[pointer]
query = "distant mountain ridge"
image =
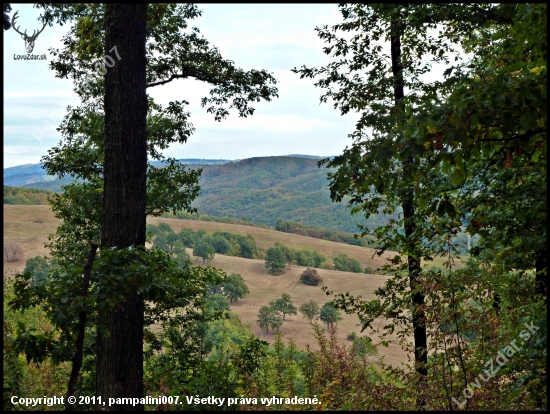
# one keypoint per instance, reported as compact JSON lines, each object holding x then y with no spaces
{"x":260,"y":189}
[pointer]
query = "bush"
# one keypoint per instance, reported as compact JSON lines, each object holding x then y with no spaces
{"x":369,"y":270}
{"x":311,"y":277}
{"x":363,"y":346}
{"x":352,"y":336}
{"x":12,"y":252}
{"x":347,"y":264}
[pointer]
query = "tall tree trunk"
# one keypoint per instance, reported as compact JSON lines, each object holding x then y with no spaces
{"x":120,"y":354}
{"x":419,"y":327}
{"x":541,"y":269}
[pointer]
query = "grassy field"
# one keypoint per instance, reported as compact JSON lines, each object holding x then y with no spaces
{"x":29,"y":226}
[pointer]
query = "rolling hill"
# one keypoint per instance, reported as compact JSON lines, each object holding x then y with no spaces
{"x":262,"y":189}
{"x":29,"y":226}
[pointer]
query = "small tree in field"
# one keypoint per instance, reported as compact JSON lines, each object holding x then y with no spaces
{"x":310,"y":277}
{"x":234,"y":287}
{"x":275,"y":259}
{"x":284,"y":305}
{"x":329,"y":314}
{"x":310,"y":310}
{"x":205,"y":251}
{"x":12,"y":252}
{"x":268,"y":318}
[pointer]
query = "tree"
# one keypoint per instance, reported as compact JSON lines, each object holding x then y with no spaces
{"x":161,"y":242}
{"x":275,"y":259}
{"x":363,"y":346}
{"x":217,"y":302}
{"x":108,"y":139}
{"x":39,"y":267}
{"x":345,"y":263}
{"x":12,"y":251}
{"x":311,"y":277}
{"x":451,"y":152}
{"x":205,"y":251}
{"x":221,"y":244}
{"x":248,"y":247}
{"x":165,"y":228}
{"x":310,"y":310}
{"x":182,"y":257}
{"x":7,"y":9}
{"x":329,"y":314}
{"x":284,"y":305}
{"x":268,"y":318}
{"x":188,"y":237}
{"x":287,"y":251}
{"x":234,"y":288}
{"x":120,"y":351}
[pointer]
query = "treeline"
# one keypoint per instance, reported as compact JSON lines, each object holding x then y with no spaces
{"x":184,"y":215}
{"x":319,"y":233}
{"x":204,"y":244}
{"x":278,"y":257}
{"x":26,"y":196}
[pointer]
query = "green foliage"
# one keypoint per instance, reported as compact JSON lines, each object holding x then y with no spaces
{"x":221,"y":244}
{"x":21,"y":377}
{"x":269,"y":318}
{"x":311,"y":277}
{"x":347,"y":264}
{"x":275,"y":259}
{"x":284,"y":306}
{"x":204,"y":251}
{"x":188,"y":237}
{"x":275,"y":188}
{"x":329,"y":314}
{"x":205,"y":217}
{"x":309,"y":310}
{"x":234,"y":287}
{"x":318,"y":233}
{"x":362,"y":346}
{"x":26,"y":196}
{"x":39,"y":267}
{"x":217,"y":302}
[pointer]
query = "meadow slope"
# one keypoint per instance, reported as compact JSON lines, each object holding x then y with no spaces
{"x":29,"y":226}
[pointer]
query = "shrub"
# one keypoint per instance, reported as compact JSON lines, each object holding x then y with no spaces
{"x":12,"y":252}
{"x":352,"y":336}
{"x":311,"y":277}
{"x":369,"y":270}
{"x":346,"y":264}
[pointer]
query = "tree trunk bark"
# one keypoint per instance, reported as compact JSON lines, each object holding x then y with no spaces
{"x":120,"y":354}
{"x":541,"y":269}
{"x":419,"y":327}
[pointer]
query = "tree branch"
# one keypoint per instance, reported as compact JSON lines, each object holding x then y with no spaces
{"x":187,"y":72}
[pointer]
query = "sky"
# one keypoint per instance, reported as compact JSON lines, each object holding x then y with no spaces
{"x":274,"y":37}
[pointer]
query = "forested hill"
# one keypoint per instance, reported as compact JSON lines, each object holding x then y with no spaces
{"x":270,"y":188}
{"x":263,"y":190}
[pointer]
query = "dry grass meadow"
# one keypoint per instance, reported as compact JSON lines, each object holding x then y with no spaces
{"x":29,"y":226}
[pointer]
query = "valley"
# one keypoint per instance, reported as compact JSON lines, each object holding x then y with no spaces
{"x":29,"y":226}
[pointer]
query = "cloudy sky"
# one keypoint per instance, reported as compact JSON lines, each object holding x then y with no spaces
{"x":271,"y":37}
